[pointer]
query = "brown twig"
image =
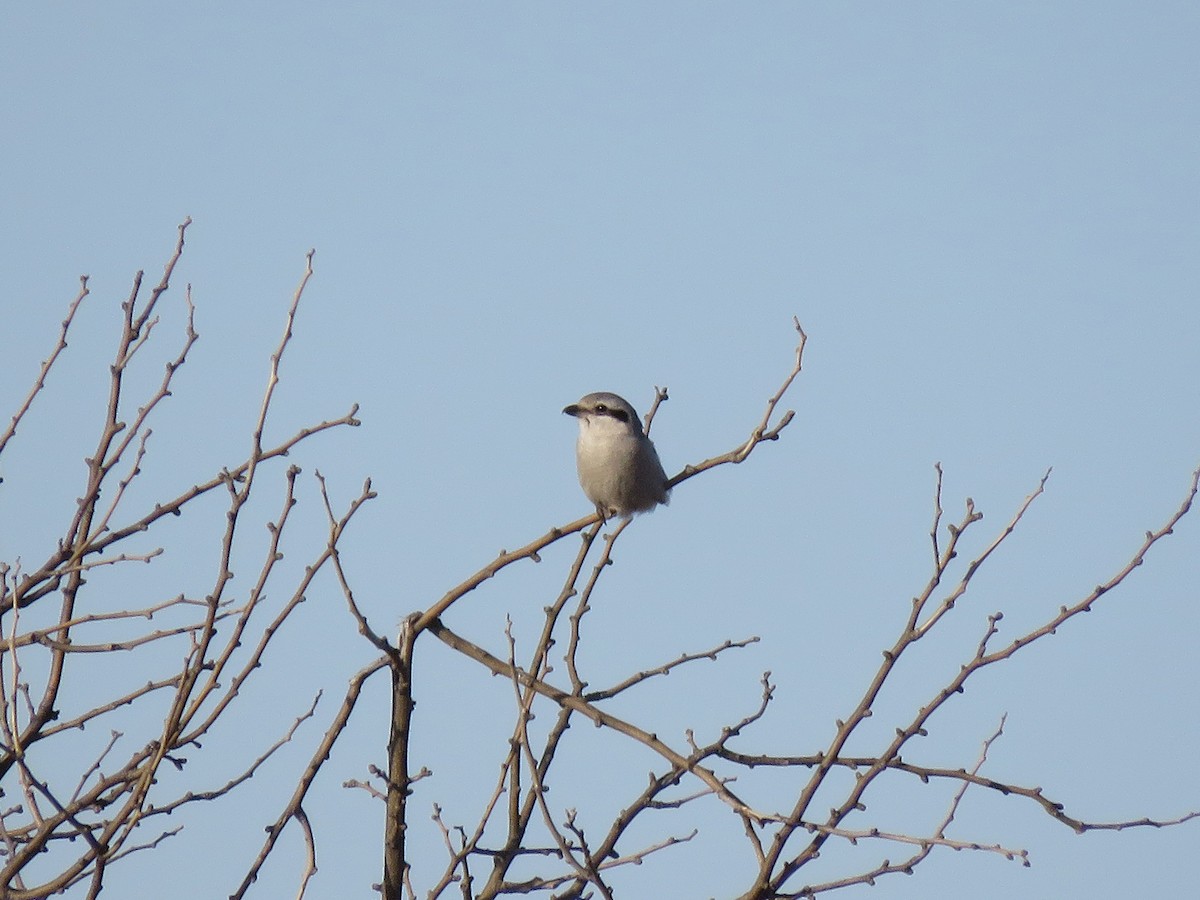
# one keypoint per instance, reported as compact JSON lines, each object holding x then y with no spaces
{"x":39,"y":383}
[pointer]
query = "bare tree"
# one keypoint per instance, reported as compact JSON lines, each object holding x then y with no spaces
{"x":66,"y":823}
{"x":65,"y":826}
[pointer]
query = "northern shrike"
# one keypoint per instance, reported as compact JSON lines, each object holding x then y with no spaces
{"x":619,"y":469}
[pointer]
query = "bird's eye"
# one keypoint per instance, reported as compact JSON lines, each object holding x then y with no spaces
{"x":601,"y":408}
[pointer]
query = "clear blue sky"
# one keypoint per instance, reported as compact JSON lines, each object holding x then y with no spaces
{"x":985,"y":215}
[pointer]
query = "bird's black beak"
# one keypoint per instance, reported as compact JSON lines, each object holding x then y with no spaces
{"x":572,"y":410}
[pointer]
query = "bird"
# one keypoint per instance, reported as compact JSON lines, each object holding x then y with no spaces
{"x":619,"y":469}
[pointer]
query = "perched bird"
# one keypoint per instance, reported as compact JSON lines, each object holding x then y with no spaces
{"x":619,"y":469}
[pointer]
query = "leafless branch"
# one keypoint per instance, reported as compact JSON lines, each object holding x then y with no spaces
{"x":666,"y":668}
{"x":293,"y":807}
{"x":39,"y":383}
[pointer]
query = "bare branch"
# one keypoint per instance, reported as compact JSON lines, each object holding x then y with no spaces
{"x":764,"y":431}
{"x":666,"y":669}
{"x":39,"y":383}
{"x":292,"y":809}
{"x":599,"y":717}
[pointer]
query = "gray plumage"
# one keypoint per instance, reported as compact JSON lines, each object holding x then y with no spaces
{"x":619,"y":469}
